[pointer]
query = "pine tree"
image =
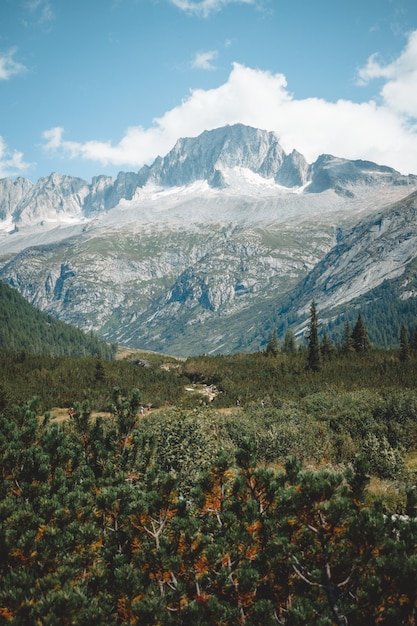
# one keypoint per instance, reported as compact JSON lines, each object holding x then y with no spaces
{"x":347,"y":346}
{"x":100,"y":373}
{"x":404,"y":345}
{"x":360,"y":337}
{"x":327,"y":348}
{"x":313,"y":356}
{"x":413,"y":342}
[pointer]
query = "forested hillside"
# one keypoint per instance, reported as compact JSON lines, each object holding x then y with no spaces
{"x":25,"y":328}
{"x":384,"y":308}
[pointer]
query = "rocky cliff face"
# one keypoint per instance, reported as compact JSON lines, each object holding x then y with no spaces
{"x":12,"y":192}
{"x":378,"y":248}
{"x":54,"y":197}
{"x":213,"y":151}
{"x":187,"y":255}
{"x":329,"y":172}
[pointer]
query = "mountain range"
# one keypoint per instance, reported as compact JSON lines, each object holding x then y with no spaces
{"x":211,"y":246}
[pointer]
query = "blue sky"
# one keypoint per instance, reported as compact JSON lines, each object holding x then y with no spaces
{"x":92,"y":87}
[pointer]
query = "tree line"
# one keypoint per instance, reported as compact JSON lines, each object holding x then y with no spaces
{"x":354,"y":339}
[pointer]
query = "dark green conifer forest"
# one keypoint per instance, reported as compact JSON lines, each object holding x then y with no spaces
{"x":23,"y":328}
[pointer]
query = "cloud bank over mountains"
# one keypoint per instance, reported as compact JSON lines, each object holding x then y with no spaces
{"x":383,"y":130}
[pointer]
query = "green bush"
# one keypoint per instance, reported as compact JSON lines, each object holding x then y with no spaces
{"x":384,"y":460}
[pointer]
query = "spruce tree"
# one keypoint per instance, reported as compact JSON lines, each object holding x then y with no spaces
{"x":347,"y":346}
{"x":413,"y":342}
{"x":100,"y":373}
{"x":327,"y":348}
{"x":313,"y":355}
{"x":404,"y":345}
{"x":360,"y":337}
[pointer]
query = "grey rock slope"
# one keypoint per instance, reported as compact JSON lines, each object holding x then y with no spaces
{"x":188,"y":254}
{"x":381,"y":247}
{"x":12,"y":192}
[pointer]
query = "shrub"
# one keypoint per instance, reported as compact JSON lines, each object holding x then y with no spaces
{"x":384,"y":460}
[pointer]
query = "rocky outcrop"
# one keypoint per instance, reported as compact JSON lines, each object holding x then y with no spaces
{"x":12,"y":192}
{"x":378,"y":248}
{"x":54,"y":197}
{"x":329,"y":172}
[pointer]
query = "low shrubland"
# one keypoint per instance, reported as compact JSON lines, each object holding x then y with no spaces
{"x":283,"y":496}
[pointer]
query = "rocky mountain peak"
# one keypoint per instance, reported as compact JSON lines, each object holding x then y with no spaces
{"x":330,"y":172}
{"x":199,"y":158}
{"x":50,"y":197}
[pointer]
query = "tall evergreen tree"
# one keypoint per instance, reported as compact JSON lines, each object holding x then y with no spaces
{"x":413,"y":342}
{"x":313,"y":355}
{"x":327,"y":348}
{"x":360,"y":337}
{"x":100,"y":373}
{"x":404,"y":345}
{"x":347,"y":346}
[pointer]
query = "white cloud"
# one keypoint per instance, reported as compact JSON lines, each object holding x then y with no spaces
{"x":137,"y":147}
{"x":205,"y":7}
{"x":385,"y":133}
{"x":8,"y":66}
{"x":399,"y":92}
{"x":40,"y":11}
{"x":204,"y":60}
{"x":11,"y":163}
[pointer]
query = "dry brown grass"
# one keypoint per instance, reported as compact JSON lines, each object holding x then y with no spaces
{"x":60,"y":415}
{"x":411,"y":461}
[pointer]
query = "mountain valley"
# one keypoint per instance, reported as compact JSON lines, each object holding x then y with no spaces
{"x":200,"y":252}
